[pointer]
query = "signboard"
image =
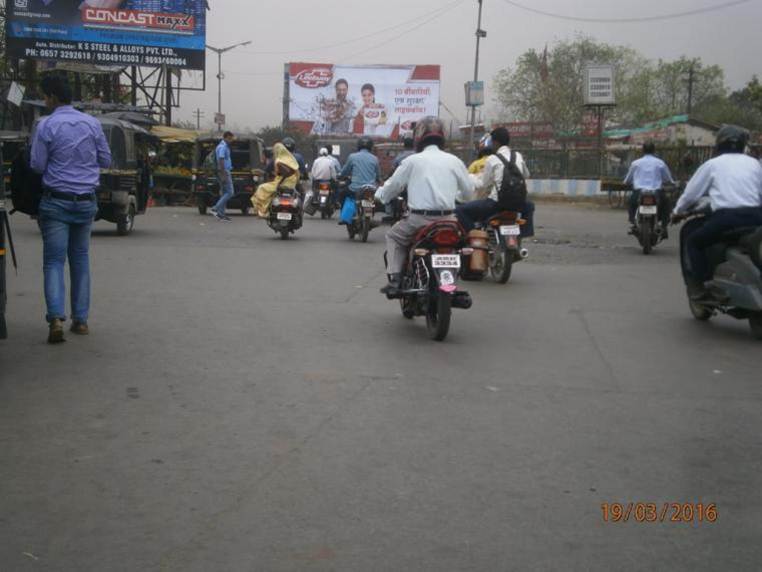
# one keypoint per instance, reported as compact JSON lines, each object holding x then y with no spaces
{"x":599,"y":85}
{"x":15,"y":94}
{"x":375,"y":101}
{"x":537,"y":130}
{"x":219,"y":119}
{"x":474,"y":93}
{"x":109,"y":32}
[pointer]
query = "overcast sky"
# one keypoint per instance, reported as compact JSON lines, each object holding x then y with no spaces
{"x":253,"y":86}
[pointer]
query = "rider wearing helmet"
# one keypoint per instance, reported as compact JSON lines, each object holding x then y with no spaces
{"x":434,"y":180}
{"x":733,"y":182}
{"x":323,"y":169}
{"x":362,"y":167}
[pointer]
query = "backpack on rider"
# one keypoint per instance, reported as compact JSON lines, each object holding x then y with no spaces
{"x":512,"y":194}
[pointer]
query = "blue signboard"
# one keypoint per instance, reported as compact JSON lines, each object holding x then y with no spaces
{"x":109,"y":32}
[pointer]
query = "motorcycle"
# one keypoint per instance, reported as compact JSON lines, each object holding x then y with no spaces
{"x":648,"y":229}
{"x":365,"y":208}
{"x":285,"y":215}
{"x":502,"y":244}
{"x":321,"y":199}
{"x":429,"y":281}
{"x":736,"y":285}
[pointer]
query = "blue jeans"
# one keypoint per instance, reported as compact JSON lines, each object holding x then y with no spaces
{"x":65,"y":227}
{"x":226,"y":187}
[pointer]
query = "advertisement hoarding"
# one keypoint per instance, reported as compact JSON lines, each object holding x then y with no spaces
{"x":376,"y":101}
{"x":109,"y":32}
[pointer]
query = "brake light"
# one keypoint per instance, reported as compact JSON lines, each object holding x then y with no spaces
{"x":648,"y":200}
{"x":248,"y":189}
{"x":323,"y":186}
{"x":286,"y":202}
{"x":446,"y":237}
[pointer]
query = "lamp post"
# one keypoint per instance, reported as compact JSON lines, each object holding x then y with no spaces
{"x":220,"y":75}
{"x":479,"y":35}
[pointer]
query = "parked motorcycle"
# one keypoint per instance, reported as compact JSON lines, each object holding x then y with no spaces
{"x":648,"y":229}
{"x":500,"y":238}
{"x":429,"y":281}
{"x":285,"y":216}
{"x":736,"y":285}
{"x":365,"y":208}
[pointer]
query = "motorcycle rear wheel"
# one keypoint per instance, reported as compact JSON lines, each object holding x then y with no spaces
{"x":755,"y":323}
{"x":365,"y":230}
{"x":699,"y":311}
{"x":646,"y":235}
{"x":284,"y":234}
{"x":438,"y":317}
{"x":501,"y":266}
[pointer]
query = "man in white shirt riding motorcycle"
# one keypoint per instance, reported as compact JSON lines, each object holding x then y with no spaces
{"x":733,"y":182}
{"x":434,"y":180}
{"x":648,"y":174}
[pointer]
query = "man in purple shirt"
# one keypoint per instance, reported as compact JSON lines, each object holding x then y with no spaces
{"x":69,"y":148}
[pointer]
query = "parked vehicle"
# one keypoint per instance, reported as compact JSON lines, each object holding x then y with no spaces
{"x":365,"y":208}
{"x":247,"y":154}
{"x":285,"y":215}
{"x":124,"y":187}
{"x":494,"y":247}
{"x":429,"y":281}
{"x":736,"y":285}
{"x":648,"y":230}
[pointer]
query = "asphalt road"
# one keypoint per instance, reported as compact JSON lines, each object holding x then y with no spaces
{"x":248,"y":404}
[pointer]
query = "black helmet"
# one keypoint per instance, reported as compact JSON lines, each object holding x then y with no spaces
{"x":365,"y":143}
{"x":429,"y":131}
{"x":732,"y":139}
{"x":289,"y":143}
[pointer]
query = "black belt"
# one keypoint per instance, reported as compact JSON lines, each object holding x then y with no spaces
{"x":73,"y":197}
{"x":431,"y":213}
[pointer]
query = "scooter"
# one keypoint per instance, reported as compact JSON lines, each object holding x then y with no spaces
{"x":285,"y":216}
{"x":736,"y":285}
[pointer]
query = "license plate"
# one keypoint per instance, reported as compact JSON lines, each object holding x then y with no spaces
{"x":648,"y":210}
{"x":445,"y":261}
{"x":285,"y":216}
{"x":512,"y":230}
{"x":367,"y":204}
{"x":324,"y":193}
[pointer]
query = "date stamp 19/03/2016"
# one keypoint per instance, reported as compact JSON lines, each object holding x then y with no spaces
{"x":671,"y":512}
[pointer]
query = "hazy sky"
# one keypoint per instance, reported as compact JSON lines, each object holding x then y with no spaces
{"x":253,"y":86}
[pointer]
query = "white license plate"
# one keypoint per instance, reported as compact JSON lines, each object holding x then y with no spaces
{"x":445,"y":261}
{"x":648,"y":210}
{"x":512,"y":230}
{"x":324,"y":193}
{"x":285,"y":216}
{"x":367,"y":204}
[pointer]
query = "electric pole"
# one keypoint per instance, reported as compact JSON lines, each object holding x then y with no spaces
{"x":479,"y":35}
{"x":199,"y":114}
{"x":221,"y":76}
{"x":691,"y":79}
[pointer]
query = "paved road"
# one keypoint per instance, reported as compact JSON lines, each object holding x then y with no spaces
{"x":250,"y":404}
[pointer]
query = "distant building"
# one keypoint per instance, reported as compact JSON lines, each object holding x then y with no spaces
{"x":671,"y":131}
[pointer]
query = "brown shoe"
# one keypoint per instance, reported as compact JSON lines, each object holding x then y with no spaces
{"x":79,"y":328}
{"x":56,"y":332}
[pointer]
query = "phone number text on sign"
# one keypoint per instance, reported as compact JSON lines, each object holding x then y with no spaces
{"x":665,"y":512}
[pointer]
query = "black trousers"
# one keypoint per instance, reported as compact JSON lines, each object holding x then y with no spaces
{"x":711,"y":233}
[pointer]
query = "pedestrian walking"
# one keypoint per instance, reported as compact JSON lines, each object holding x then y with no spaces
{"x":68,"y":148}
{"x":224,"y":176}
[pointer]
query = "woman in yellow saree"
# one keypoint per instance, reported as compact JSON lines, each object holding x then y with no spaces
{"x":286,"y":176}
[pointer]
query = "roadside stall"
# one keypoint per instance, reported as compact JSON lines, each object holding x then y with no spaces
{"x":173,"y":164}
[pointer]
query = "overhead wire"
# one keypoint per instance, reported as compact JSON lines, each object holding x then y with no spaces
{"x":633,"y":20}
{"x":436,"y":12}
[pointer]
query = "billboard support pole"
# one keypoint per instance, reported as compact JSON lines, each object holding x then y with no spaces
{"x":479,"y":35}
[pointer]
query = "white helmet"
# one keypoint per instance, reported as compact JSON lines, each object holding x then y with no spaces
{"x":323,"y":152}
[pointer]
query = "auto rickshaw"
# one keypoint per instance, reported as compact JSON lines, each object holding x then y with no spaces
{"x":247,"y":154}
{"x":125,"y":186}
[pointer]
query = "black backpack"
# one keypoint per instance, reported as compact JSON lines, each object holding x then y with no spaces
{"x":512,"y":194}
{"x":26,"y":185}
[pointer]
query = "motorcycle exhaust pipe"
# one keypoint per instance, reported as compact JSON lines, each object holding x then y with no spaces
{"x":524,"y":253}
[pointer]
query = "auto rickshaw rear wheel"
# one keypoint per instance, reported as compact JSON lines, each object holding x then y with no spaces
{"x":125,"y":224}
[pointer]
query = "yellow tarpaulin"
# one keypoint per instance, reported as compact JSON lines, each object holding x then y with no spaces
{"x":174,"y":134}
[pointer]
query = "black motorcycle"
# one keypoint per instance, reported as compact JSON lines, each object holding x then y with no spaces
{"x":365,"y":209}
{"x":736,"y":285}
{"x":285,"y":215}
{"x":429,"y":281}
{"x":321,"y":199}
{"x":648,"y":230}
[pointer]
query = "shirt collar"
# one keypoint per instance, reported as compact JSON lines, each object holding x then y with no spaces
{"x":431,"y":148}
{"x":63,"y":108}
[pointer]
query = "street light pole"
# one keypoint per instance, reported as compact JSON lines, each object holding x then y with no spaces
{"x":479,"y":35}
{"x":220,"y":75}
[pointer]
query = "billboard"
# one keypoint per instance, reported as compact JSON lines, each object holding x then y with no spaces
{"x":109,"y":32}
{"x":599,"y":85}
{"x":377,"y":101}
